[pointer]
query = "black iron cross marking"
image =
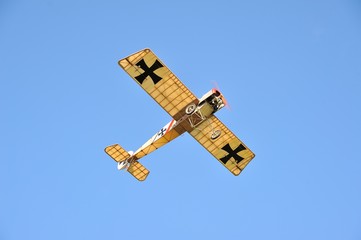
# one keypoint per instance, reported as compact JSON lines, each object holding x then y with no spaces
{"x":149,"y":71}
{"x":162,"y":132}
{"x":232,"y":153}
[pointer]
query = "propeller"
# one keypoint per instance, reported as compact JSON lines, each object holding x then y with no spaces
{"x":215,"y":84}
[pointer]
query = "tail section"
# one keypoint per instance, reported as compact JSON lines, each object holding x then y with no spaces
{"x":126,"y":160}
{"x":117,"y":153}
{"x":138,"y":171}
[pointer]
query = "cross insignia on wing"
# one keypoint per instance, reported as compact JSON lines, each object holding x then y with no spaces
{"x":227,"y":148}
{"x":159,"y":82}
{"x":232,"y":153}
{"x":148,"y":71}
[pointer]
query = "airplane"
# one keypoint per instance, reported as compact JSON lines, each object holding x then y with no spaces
{"x":189,"y":114}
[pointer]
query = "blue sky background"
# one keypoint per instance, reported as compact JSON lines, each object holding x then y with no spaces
{"x":291,"y":71}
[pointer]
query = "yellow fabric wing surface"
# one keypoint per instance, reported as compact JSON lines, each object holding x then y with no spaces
{"x":227,"y":148}
{"x":158,"y":81}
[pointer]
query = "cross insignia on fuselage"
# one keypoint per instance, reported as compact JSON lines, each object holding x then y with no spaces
{"x":149,"y":71}
{"x":232,"y":153}
{"x":162,"y":132}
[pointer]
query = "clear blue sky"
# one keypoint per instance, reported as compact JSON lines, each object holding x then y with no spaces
{"x":290,"y":69}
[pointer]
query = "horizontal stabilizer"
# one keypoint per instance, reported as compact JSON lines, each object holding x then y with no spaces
{"x":117,"y":153}
{"x":138,"y":171}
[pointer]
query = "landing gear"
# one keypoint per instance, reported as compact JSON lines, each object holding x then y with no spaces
{"x":197,"y":115}
{"x":190,"y":108}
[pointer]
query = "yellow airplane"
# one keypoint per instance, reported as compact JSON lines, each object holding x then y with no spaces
{"x":189,"y":114}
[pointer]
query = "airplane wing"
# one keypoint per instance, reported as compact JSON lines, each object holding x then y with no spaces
{"x":159,"y":82}
{"x":227,"y":148}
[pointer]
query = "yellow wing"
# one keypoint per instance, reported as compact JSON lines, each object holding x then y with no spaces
{"x":159,"y":82}
{"x":227,"y":148}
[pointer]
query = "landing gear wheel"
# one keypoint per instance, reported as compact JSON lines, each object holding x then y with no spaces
{"x":190,"y":108}
{"x":215,"y":134}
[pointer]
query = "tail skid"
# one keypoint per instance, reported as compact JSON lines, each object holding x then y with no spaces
{"x":125,"y":161}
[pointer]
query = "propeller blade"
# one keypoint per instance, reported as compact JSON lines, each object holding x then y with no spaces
{"x":226,"y":103}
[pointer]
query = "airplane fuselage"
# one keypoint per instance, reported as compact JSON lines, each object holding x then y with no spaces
{"x":194,"y":115}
